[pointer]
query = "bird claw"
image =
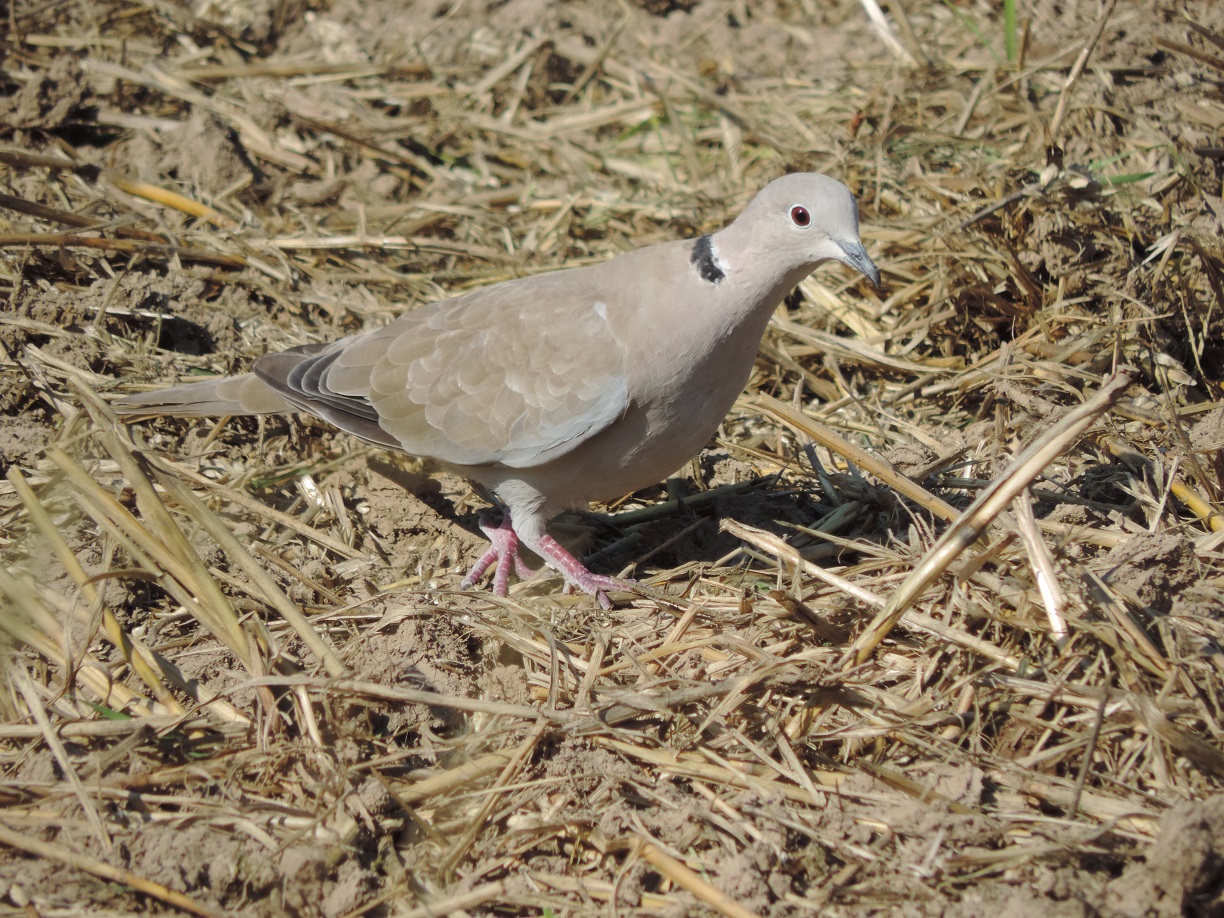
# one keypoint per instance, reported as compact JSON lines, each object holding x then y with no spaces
{"x":504,"y":552}
{"x":503,"y":555}
{"x":575,"y":573}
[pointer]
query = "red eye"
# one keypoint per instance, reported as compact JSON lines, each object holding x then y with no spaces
{"x":799,"y":215}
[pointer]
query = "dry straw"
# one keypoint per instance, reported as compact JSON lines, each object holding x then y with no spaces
{"x":937,"y":617}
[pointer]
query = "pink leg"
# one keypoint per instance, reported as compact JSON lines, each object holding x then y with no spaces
{"x":575,"y":572}
{"x":504,"y":551}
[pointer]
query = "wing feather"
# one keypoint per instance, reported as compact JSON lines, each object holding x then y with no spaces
{"x":517,"y":374}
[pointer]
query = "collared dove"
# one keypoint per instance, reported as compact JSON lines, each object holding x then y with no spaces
{"x":560,"y":389}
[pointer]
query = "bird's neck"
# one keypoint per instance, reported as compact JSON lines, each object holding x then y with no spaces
{"x":735,"y":262}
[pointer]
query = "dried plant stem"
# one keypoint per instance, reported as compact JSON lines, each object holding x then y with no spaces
{"x":1077,"y":68}
{"x":415,"y":696}
{"x":514,"y":762}
{"x":132,"y":186}
{"x":272,"y":593}
{"x":458,"y":903}
{"x":880,"y":23}
{"x":873,"y":465}
{"x":27,"y":621}
{"x":1043,"y":564}
{"x":693,"y":882}
{"x":62,"y":855}
{"x":1027,"y":466}
{"x":779,"y":549}
{"x":147,"y":665}
{"x":130,"y":246}
{"x":165,"y":552}
{"x":246,"y":502}
{"x":1198,"y":505}
{"x":34,"y":705}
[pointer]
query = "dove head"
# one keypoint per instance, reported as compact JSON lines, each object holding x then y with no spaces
{"x":795,"y":223}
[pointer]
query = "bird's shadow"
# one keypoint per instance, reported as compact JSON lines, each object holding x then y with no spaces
{"x":675,"y":524}
{"x":687,"y":530}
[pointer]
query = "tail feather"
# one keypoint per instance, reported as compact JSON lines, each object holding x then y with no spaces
{"x":211,"y":398}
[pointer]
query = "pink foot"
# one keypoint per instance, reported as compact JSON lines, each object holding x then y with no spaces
{"x":504,"y":553}
{"x":575,"y":573}
{"x":503,"y":549}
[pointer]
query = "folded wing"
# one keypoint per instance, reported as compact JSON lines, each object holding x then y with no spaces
{"x":516,"y":374}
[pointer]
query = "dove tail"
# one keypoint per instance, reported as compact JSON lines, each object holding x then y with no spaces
{"x":212,"y":398}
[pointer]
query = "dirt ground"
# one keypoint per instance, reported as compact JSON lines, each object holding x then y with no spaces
{"x":240,"y":677}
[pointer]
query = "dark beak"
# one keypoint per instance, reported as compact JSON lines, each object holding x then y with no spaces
{"x":857,"y":258}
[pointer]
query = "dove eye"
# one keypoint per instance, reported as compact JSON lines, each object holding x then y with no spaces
{"x":799,"y":216}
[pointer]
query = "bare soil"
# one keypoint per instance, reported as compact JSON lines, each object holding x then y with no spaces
{"x":312,"y":719}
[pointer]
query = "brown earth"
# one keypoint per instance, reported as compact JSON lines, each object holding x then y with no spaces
{"x":410,"y":749}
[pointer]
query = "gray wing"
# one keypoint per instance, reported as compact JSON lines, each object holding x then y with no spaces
{"x":517,"y":373}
